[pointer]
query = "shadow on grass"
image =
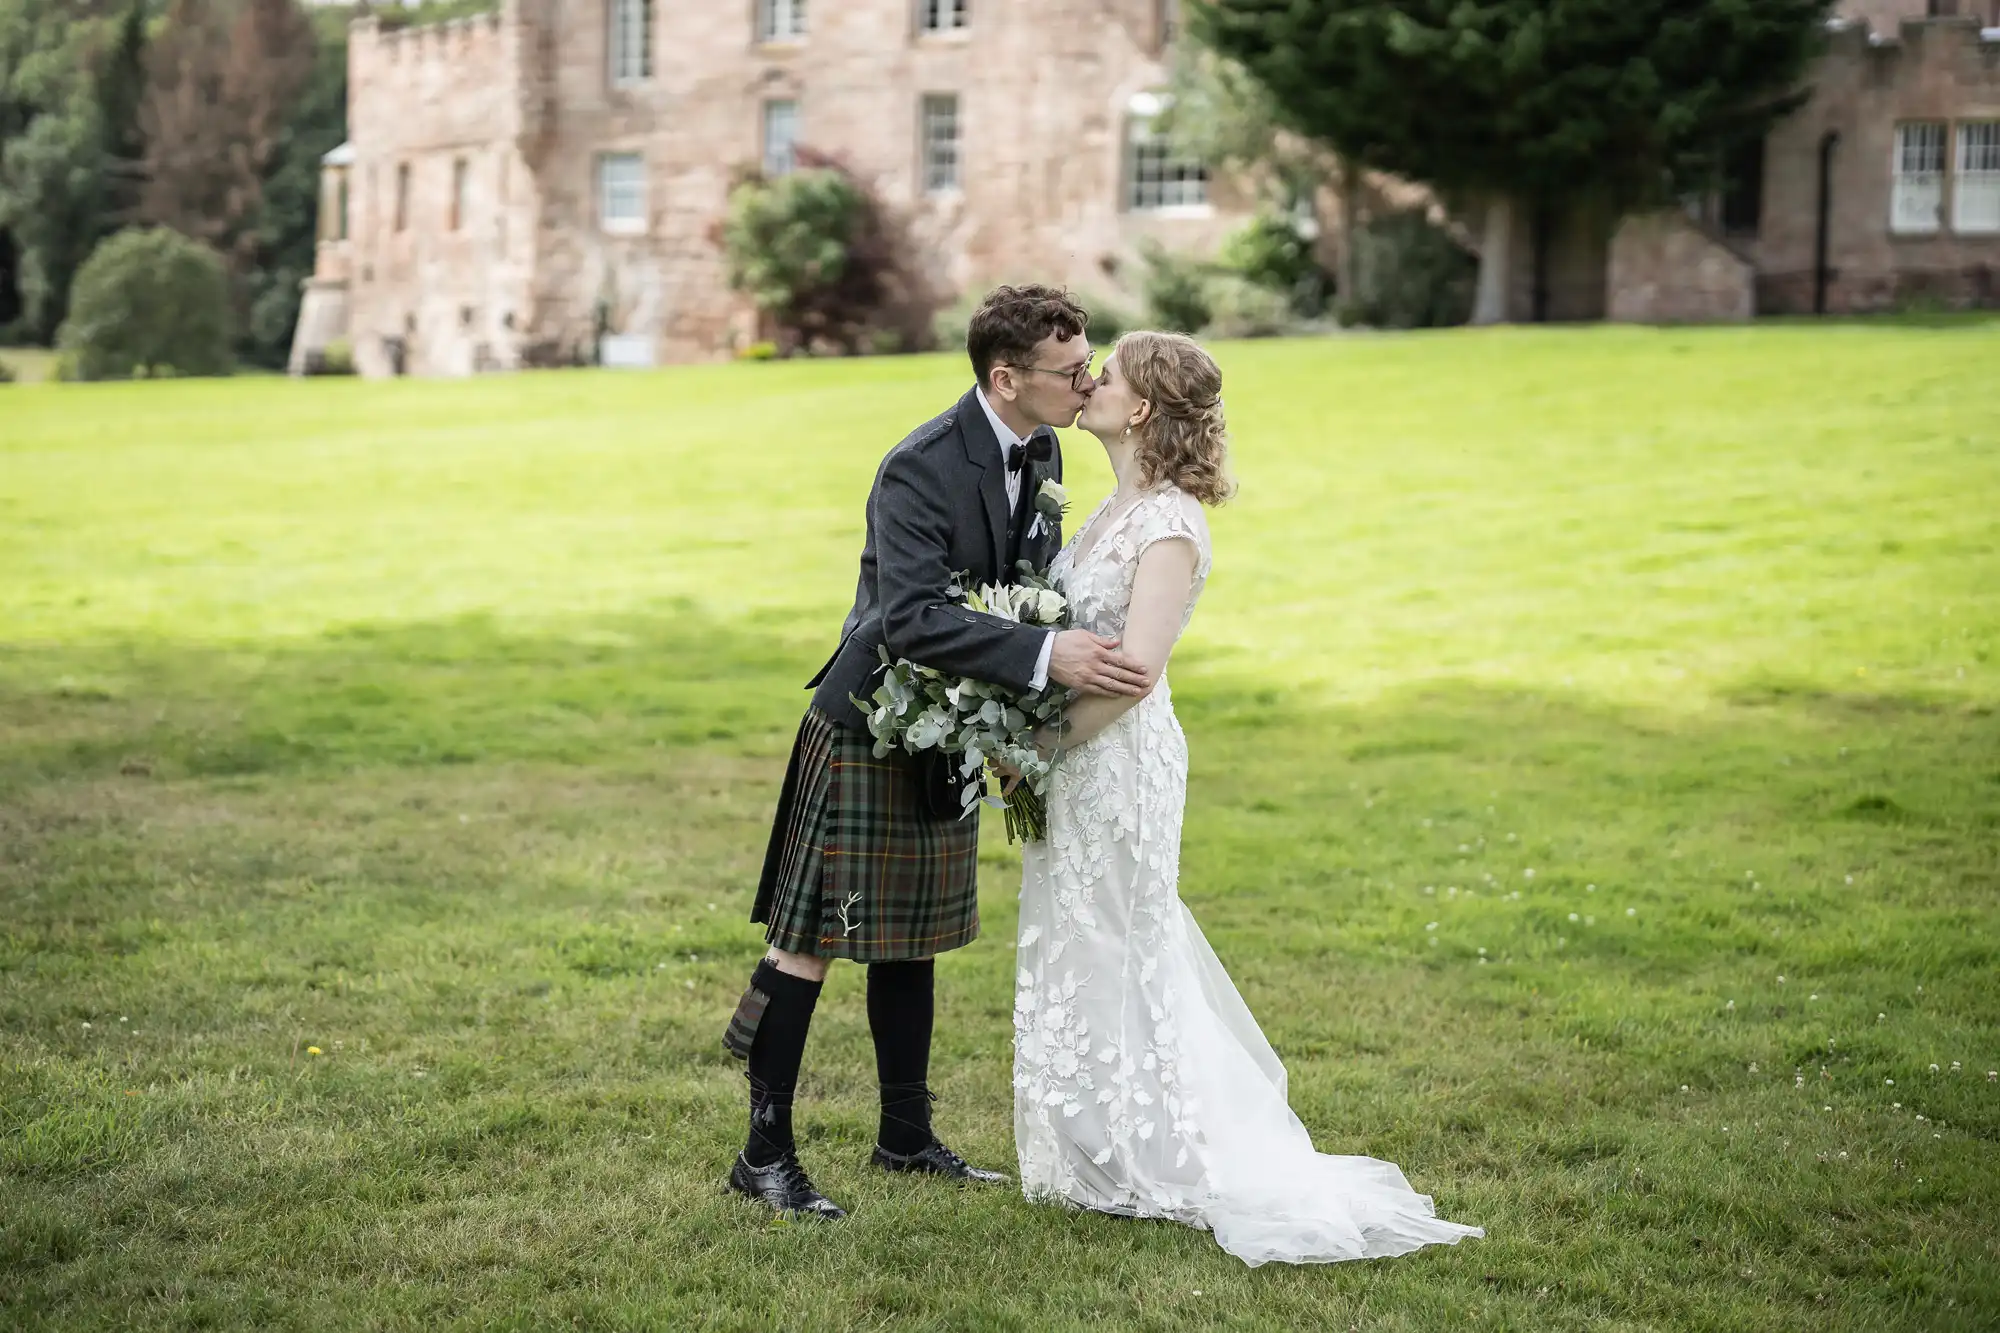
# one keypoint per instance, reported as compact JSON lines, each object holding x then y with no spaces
{"x":599,"y":691}
{"x":462,"y":691}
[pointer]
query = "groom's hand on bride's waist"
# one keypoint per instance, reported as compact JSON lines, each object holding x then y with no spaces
{"x":1092,"y":663}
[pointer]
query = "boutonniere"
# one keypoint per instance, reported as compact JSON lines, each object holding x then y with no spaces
{"x":1051,"y":503}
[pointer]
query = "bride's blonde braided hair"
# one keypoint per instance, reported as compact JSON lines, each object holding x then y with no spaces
{"x":1185,"y":441}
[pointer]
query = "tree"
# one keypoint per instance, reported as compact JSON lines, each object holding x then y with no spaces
{"x":120,"y":88}
{"x":149,"y":302}
{"x":53,"y":167}
{"x":1521,"y":106}
{"x":223,"y":79}
{"x":288,"y":222}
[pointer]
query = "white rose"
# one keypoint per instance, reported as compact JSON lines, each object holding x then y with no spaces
{"x":1053,"y":490}
{"x":1050,"y":606}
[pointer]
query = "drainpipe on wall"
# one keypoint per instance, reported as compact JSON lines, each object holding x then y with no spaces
{"x":1821,"y":273}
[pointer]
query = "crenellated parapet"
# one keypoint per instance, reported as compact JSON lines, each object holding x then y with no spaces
{"x":1919,"y":36}
{"x":468,"y":38}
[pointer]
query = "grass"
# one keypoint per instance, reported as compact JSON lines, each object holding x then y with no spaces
{"x":436,"y":726}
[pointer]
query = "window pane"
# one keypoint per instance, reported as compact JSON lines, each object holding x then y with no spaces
{"x":1157,"y":177}
{"x":1975,"y":195}
{"x":940,"y":142}
{"x":1918,"y":196}
{"x":943,"y":15}
{"x":780,"y":20}
{"x":781,"y":128}
{"x":631,"y":40}
{"x":621,"y":190}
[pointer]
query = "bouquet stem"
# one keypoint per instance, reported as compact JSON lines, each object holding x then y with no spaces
{"x":1027,"y":816}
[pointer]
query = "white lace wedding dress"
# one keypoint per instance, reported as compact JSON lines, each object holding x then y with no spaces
{"x":1142,"y":1085}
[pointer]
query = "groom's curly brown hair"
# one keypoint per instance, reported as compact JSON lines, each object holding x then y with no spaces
{"x":1011,"y":321}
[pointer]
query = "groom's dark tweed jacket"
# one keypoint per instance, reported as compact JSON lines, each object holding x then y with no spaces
{"x":861,"y":863}
{"x":939,"y":506}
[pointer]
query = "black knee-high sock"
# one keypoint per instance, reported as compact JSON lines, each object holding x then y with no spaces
{"x":901,"y":999}
{"x":775,"y":1056}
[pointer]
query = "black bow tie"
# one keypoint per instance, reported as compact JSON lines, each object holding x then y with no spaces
{"x":1038,"y":447}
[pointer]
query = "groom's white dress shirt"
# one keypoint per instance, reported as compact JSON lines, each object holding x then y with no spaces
{"x":1008,"y":439}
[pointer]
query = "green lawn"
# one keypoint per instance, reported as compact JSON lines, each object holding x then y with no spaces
{"x":436,"y":726}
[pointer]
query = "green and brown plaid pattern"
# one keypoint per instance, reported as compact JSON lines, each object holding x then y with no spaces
{"x":857,"y":866}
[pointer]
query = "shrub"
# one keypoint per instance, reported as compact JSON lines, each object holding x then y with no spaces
{"x":818,"y":253}
{"x":6,"y":373}
{"x":950,"y":325}
{"x":336,"y":358}
{"x":1107,"y":322}
{"x":1176,"y":292}
{"x":1411,"y":274}
{"x":1240,"y":308}
{"x":147,"y":302}
{"x":1273,"y":253}
{"x":759,"y":351}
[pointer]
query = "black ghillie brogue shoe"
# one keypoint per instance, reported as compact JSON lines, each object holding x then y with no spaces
{"x":935,"y":1160}
{"x":784,"y":1188}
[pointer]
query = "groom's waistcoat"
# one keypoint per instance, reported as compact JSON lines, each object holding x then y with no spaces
{"x":939,"y":507}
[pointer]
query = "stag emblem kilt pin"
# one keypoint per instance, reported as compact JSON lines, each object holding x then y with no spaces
{"x":861,"y":864}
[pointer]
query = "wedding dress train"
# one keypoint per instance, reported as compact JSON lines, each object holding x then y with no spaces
{"x":1142,"y":1085}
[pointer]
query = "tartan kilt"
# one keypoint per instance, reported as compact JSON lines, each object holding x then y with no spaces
{"x":857,"y":866}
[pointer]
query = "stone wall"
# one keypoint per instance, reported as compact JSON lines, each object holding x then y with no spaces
{"x":525,"y":100}
{"x":1665,"y":270}
{"x":435,"y":106}
{"x":1868,"y":83}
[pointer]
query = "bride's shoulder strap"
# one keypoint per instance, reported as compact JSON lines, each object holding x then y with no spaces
{"x":1174,"y":513}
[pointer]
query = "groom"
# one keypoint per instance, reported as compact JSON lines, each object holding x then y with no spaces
{"x":869,"y":858}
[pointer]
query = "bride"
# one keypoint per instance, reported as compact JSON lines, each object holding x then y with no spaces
{"x":1142,"y":1086}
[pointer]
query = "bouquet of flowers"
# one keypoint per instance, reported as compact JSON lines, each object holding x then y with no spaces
{"x":917,"y":708}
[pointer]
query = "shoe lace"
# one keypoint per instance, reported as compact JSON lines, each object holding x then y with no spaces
{"x":951,"y":1158}
{"x":793,"y":1173}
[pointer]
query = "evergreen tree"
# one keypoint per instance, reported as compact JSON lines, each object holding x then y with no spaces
{"x":121,"y":87}
{"x":1526,"y":107}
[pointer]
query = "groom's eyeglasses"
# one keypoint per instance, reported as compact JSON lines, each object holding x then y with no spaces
{"x":1080,"y":379}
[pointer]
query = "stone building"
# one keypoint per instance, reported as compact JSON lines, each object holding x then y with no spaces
{"x":544,"y":183}
{"x":1881,"y":191}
